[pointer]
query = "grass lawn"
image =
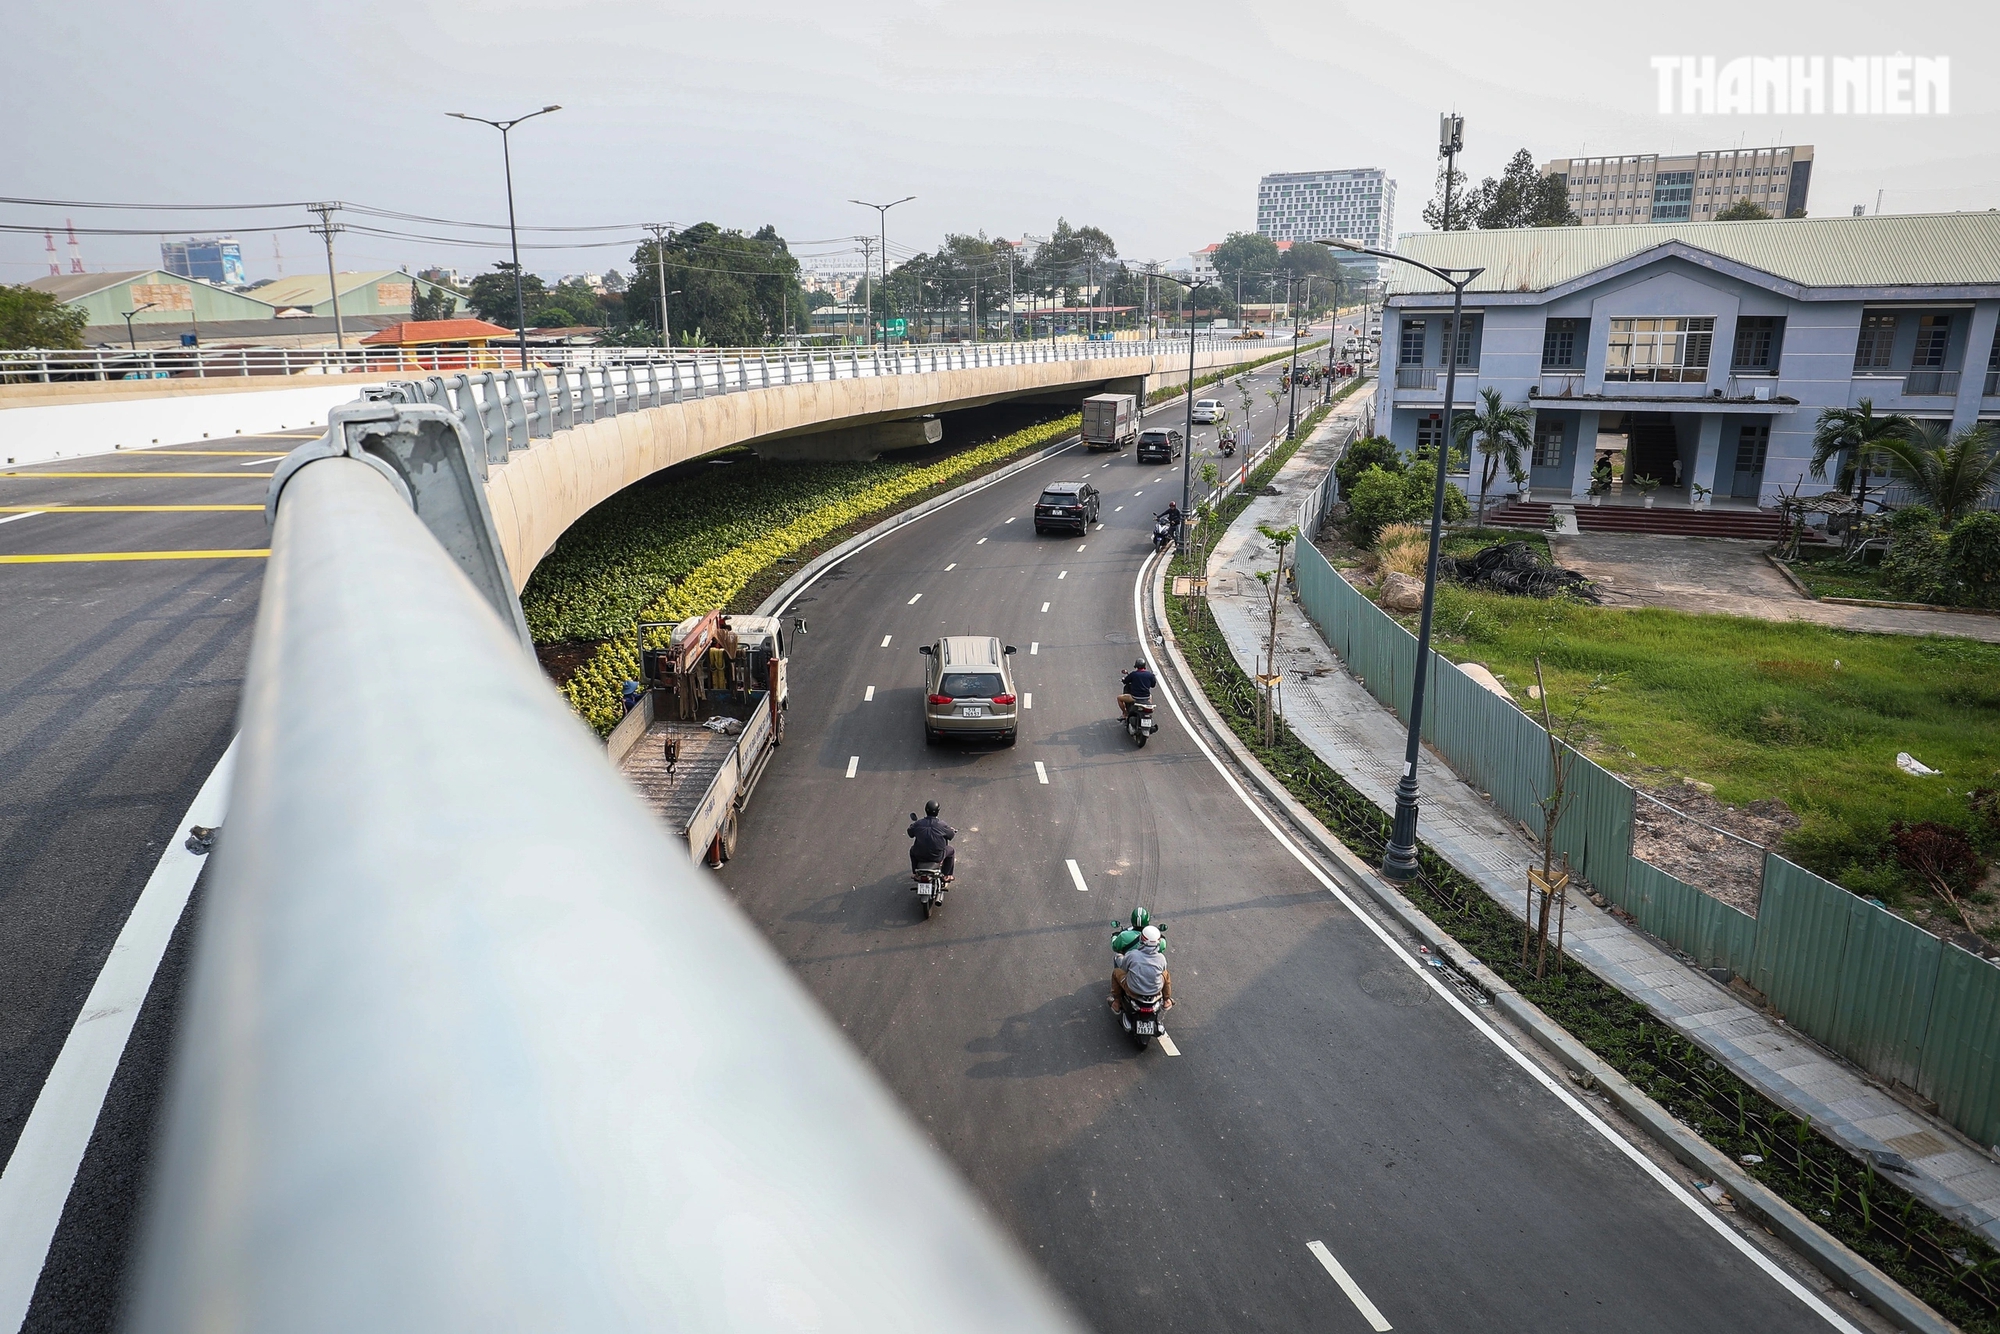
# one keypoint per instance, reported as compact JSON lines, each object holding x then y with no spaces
{"x":1810,"y":715}
{"x":1828,"y":576}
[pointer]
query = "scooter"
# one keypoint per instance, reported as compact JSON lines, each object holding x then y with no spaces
{"x":1142,"y":1017}
{"x":929,"y":881}
{"x":1163,"y":533}
{"x":1228,"y":445}
{"x":1139,"y":722}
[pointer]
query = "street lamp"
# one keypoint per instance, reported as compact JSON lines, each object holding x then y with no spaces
{"x":1399,"y":859}
{"x":131,"y":341}
{"x":1187,"y":435}
{"x":513,"y":236}
{"x":882,"y":217}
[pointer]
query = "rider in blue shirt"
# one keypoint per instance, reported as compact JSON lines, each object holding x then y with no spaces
{"x":1139,"y":683}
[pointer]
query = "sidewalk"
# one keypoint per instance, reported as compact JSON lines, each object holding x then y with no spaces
{"x":1344,"y":725}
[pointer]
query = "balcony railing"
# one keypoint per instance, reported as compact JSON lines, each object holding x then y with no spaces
{"x":1432,"y":377}
{"x":1754,"y":386}
{"x":1560,"y":383}
{"x":1916,"y":383}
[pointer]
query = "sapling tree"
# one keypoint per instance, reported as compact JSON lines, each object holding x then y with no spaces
{"x":1564,"y":734}
{"x":1274,"y":589}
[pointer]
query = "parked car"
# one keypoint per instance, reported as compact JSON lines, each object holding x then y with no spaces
{"x":1158,"y":445}
{"x":1067,"y":507}
{"x":1208,"y":411}
{"x":969,"y":689}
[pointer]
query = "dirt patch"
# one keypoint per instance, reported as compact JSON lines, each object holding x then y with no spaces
{"x":561,"y":659}
{"x":1717,"y":848}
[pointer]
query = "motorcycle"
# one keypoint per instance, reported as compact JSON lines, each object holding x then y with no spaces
{"x":1139,"y":722}
{"x":1163,"y":533}
{"x":1228,"y":445}
{"x":1142,"y":1017}
{"x":928,"y":878}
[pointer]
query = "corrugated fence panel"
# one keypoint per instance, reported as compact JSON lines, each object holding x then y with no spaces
{"x":1489,"y":741}
{"x":1714,"y":934}
{"x":1802,"y":929}
{"x":1961,"y":1065}
{"x":1596,"y":827}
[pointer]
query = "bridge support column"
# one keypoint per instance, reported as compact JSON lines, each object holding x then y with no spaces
{"x":857,"y":443}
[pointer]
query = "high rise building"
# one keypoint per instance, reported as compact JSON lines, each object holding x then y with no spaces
{"x":214,"y":259}
{"x":1358,"y":204}
{"x":1688,"y":187}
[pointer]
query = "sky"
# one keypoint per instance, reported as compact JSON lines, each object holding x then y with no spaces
{"x":1151,"y":120}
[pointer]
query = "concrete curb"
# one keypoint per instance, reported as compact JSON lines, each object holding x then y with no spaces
{"x":1817,"y":1246}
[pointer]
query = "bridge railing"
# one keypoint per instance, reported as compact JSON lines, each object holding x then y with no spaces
{"x":468,"y":1042}
{"x":61,"y":365}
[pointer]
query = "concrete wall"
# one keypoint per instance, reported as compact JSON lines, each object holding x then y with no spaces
{"x":40,"y":422}
{"x":540,"y":492}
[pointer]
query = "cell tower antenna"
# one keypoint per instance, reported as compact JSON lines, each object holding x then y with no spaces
{"x":277,"y":255}
{"x":55,"y":265}
{"x":75,"y":249}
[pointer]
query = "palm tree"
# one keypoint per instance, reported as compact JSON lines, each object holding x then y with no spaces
{"x":1503,"y":431}
{"x":1952,"y":473}
{"x":1858,"y":432}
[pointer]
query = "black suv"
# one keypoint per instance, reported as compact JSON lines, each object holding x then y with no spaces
{"x":1159,"y":445}
{"x":1070,"y":506}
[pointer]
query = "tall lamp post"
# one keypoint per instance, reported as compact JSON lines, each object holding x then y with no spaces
{"x":513,"y":235}
{"x":1187,"y":433}
{"x":1399,"y":859}
{"x":130,"y":340}
{"x":882,"y":217}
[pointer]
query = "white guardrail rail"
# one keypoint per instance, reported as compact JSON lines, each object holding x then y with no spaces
{"x":468,"y":1042}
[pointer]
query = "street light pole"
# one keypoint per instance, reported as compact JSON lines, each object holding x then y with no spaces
{"x":130,"y":340}
{"x":1399,"y":859}
{"x":1292,"y":380}
{"x":1187,"y":434}
{"x":513,"y":233}
{"x":660,"y":232}
{"x":882,"y":217}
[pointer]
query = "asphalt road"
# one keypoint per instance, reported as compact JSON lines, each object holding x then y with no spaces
{"x":118,"y":690}
{"x":1323,"y":1092}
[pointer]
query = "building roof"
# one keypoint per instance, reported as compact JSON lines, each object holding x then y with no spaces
{"x":410,"y":332}
{"x":1914,"y":249}
{"x":309,"y":289}
{"x":67,"y":287}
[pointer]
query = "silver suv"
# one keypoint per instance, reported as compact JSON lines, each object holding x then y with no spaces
{"x":969,"y":689}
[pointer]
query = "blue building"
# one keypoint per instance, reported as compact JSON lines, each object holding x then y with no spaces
{"x":1702,"y":353}
{"x":214,"y":259}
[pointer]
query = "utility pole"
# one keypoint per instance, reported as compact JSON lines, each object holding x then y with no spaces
{"x":867,"y":278}
{"x":660,"y":233}
{"x":327,"y":227}
{"x":882,"y":216}
{"x":1010,"y":294}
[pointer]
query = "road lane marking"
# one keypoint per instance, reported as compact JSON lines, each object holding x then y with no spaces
{"x":853,"y":761}
{"x":209,"y":453}
{"x":1045,"y":606}
{"x":1698,"y":1206}
{"x":1034,"y":647}
{"x":1350,"y":1287}
{"x":1167,"y":1045}
{"x":1041,"y":774}
{"x":1064,"y":574}
{"x":88,"y":557}
{"x":36,"y":1182}
{"x":886,"y":639}
{"x":25,"y":510}
{"x":1076,"y":875}
{"x":1086,"y":474}
{"x":24,"y":514}
{"x":1028,"y":700}
{"x":952,"y":566}
{"x":1015,"y":517}
{"x":980,"y":543}
{"x":135,"y":472}
{"x":1117,"y":508}
{"x":276,"y":458}
{"x":1081,"y":545}
{"x":868,"y":694}
{"x":1137,"y":494}
{"x":913,"y":601}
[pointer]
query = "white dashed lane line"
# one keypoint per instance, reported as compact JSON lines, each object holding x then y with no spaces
{"x":1015,"y":517}
{"x":1028,"y":700}
{"x":1034,"y":647}
{"x":886,"y":639}
{"x":1116,"y":509}
{"x":29,"y":515}
{"x":951,"y":567}
{"x":1350,"y":1287}
{"x":1045,"y":606}
{"x":1167,"y":1045}
{"x":1076,"y":876}
{"x":853,"y":762}
{"x":1081,"y":545}
{"x":1041,"y":773}
{"x":1062,"y":574}
{"x":913,"y":601}
{"x":276,"y":458}
{"x":980,"y":543}
{"x":868,"y":694}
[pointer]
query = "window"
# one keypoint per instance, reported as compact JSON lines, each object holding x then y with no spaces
{"x":1411,"y":351}
{"x":1933,"y":336}
{"x":972,"y":685}
{"x":1673,"y":196}
{"x":1548,"y":443}
{"x":1559,"y":345}
{"x":1757,"y":342}
{"x":1466,"y":325}
{"x":1660,"y":349}
{"x":1878,"y":340}
{"x":1430,"y":430}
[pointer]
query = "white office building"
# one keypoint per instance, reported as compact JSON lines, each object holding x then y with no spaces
{"x":1359,"y":204}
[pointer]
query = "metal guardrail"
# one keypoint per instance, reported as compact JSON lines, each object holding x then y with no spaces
{"x":49,"y":366}
{"x":469,"y":1043}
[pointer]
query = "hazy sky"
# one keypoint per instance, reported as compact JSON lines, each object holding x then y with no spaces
{"x":1153,"y":121}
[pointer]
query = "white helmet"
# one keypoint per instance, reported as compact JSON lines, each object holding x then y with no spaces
{"x":1151,"y":935}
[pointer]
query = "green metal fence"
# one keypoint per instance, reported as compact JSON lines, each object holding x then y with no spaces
{"x":1887,"y":995}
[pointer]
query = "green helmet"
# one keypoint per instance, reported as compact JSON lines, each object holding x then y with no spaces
{"x":1140,"y":919}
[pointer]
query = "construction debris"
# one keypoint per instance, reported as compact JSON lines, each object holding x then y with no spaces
{"x":1512,"y":567}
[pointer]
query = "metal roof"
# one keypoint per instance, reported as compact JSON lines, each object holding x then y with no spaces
{"x":68,"y":287}
{"x":1919,"y":249}
{"x":310,"y":289}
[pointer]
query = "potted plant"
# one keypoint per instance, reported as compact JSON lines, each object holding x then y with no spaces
{"x":1647,"y":485}
{"x":1701,"y":495}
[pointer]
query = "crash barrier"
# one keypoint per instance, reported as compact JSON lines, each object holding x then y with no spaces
{"x":504,"y":411}
{"x":468,"y":1043}
{"x":1889,"y":996}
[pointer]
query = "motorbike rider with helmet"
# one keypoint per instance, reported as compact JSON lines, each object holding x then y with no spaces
{"x":931,"y":842}
{"x":1139,"y":683}
{"x":1139,"y":963}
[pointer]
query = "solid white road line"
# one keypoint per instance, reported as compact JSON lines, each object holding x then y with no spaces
{"x":37,"y":1180}
{"x":1350,"y":1287}
{"x":1167,"y":1045}
{"x":1028,"y":700}
{"x":951,"y":567}
{"x":886,"y":639}
{"x":1045,"y":606}
{"x":853,"y":762}
{"x":278,"y":458}
{"x":1034,"y":647}
{"x":29,"y":515}
{"x":1041,"y":774}
{"x":1535,"y":1072}
{"x":868,"y":694}
{"x":1076,"y":876}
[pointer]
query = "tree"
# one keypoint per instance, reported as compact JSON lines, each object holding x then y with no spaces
{"x":492,"y":294}
{"x":1274,"y":586}
{"x":1462,"y":207}
{"x":1952,"y":473}
{"x":1743,"y":210}
{"x":1858,"y":433}
{"x":724,"y":288}
{"x":435,"y":304}
{"x":1502,"y":431}
{"x":1522,"y":197}
{"x":29,"y":318}
{"x":1249,"y":259}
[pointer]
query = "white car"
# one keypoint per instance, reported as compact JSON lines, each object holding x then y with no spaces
{"x":1208,"y":411}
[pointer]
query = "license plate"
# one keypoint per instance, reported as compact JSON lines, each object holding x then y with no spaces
{"x":972,"y":713}
{"x":1148,"y":1027}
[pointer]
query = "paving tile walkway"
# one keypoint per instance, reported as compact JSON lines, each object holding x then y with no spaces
{"x":1338,"y":719}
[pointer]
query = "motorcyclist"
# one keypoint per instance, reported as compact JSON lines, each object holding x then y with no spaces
{"x":1172,"y":514}
{"x":1139,"y":683}
{"x":932,"y":842}
{"x":1141,"y":970}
